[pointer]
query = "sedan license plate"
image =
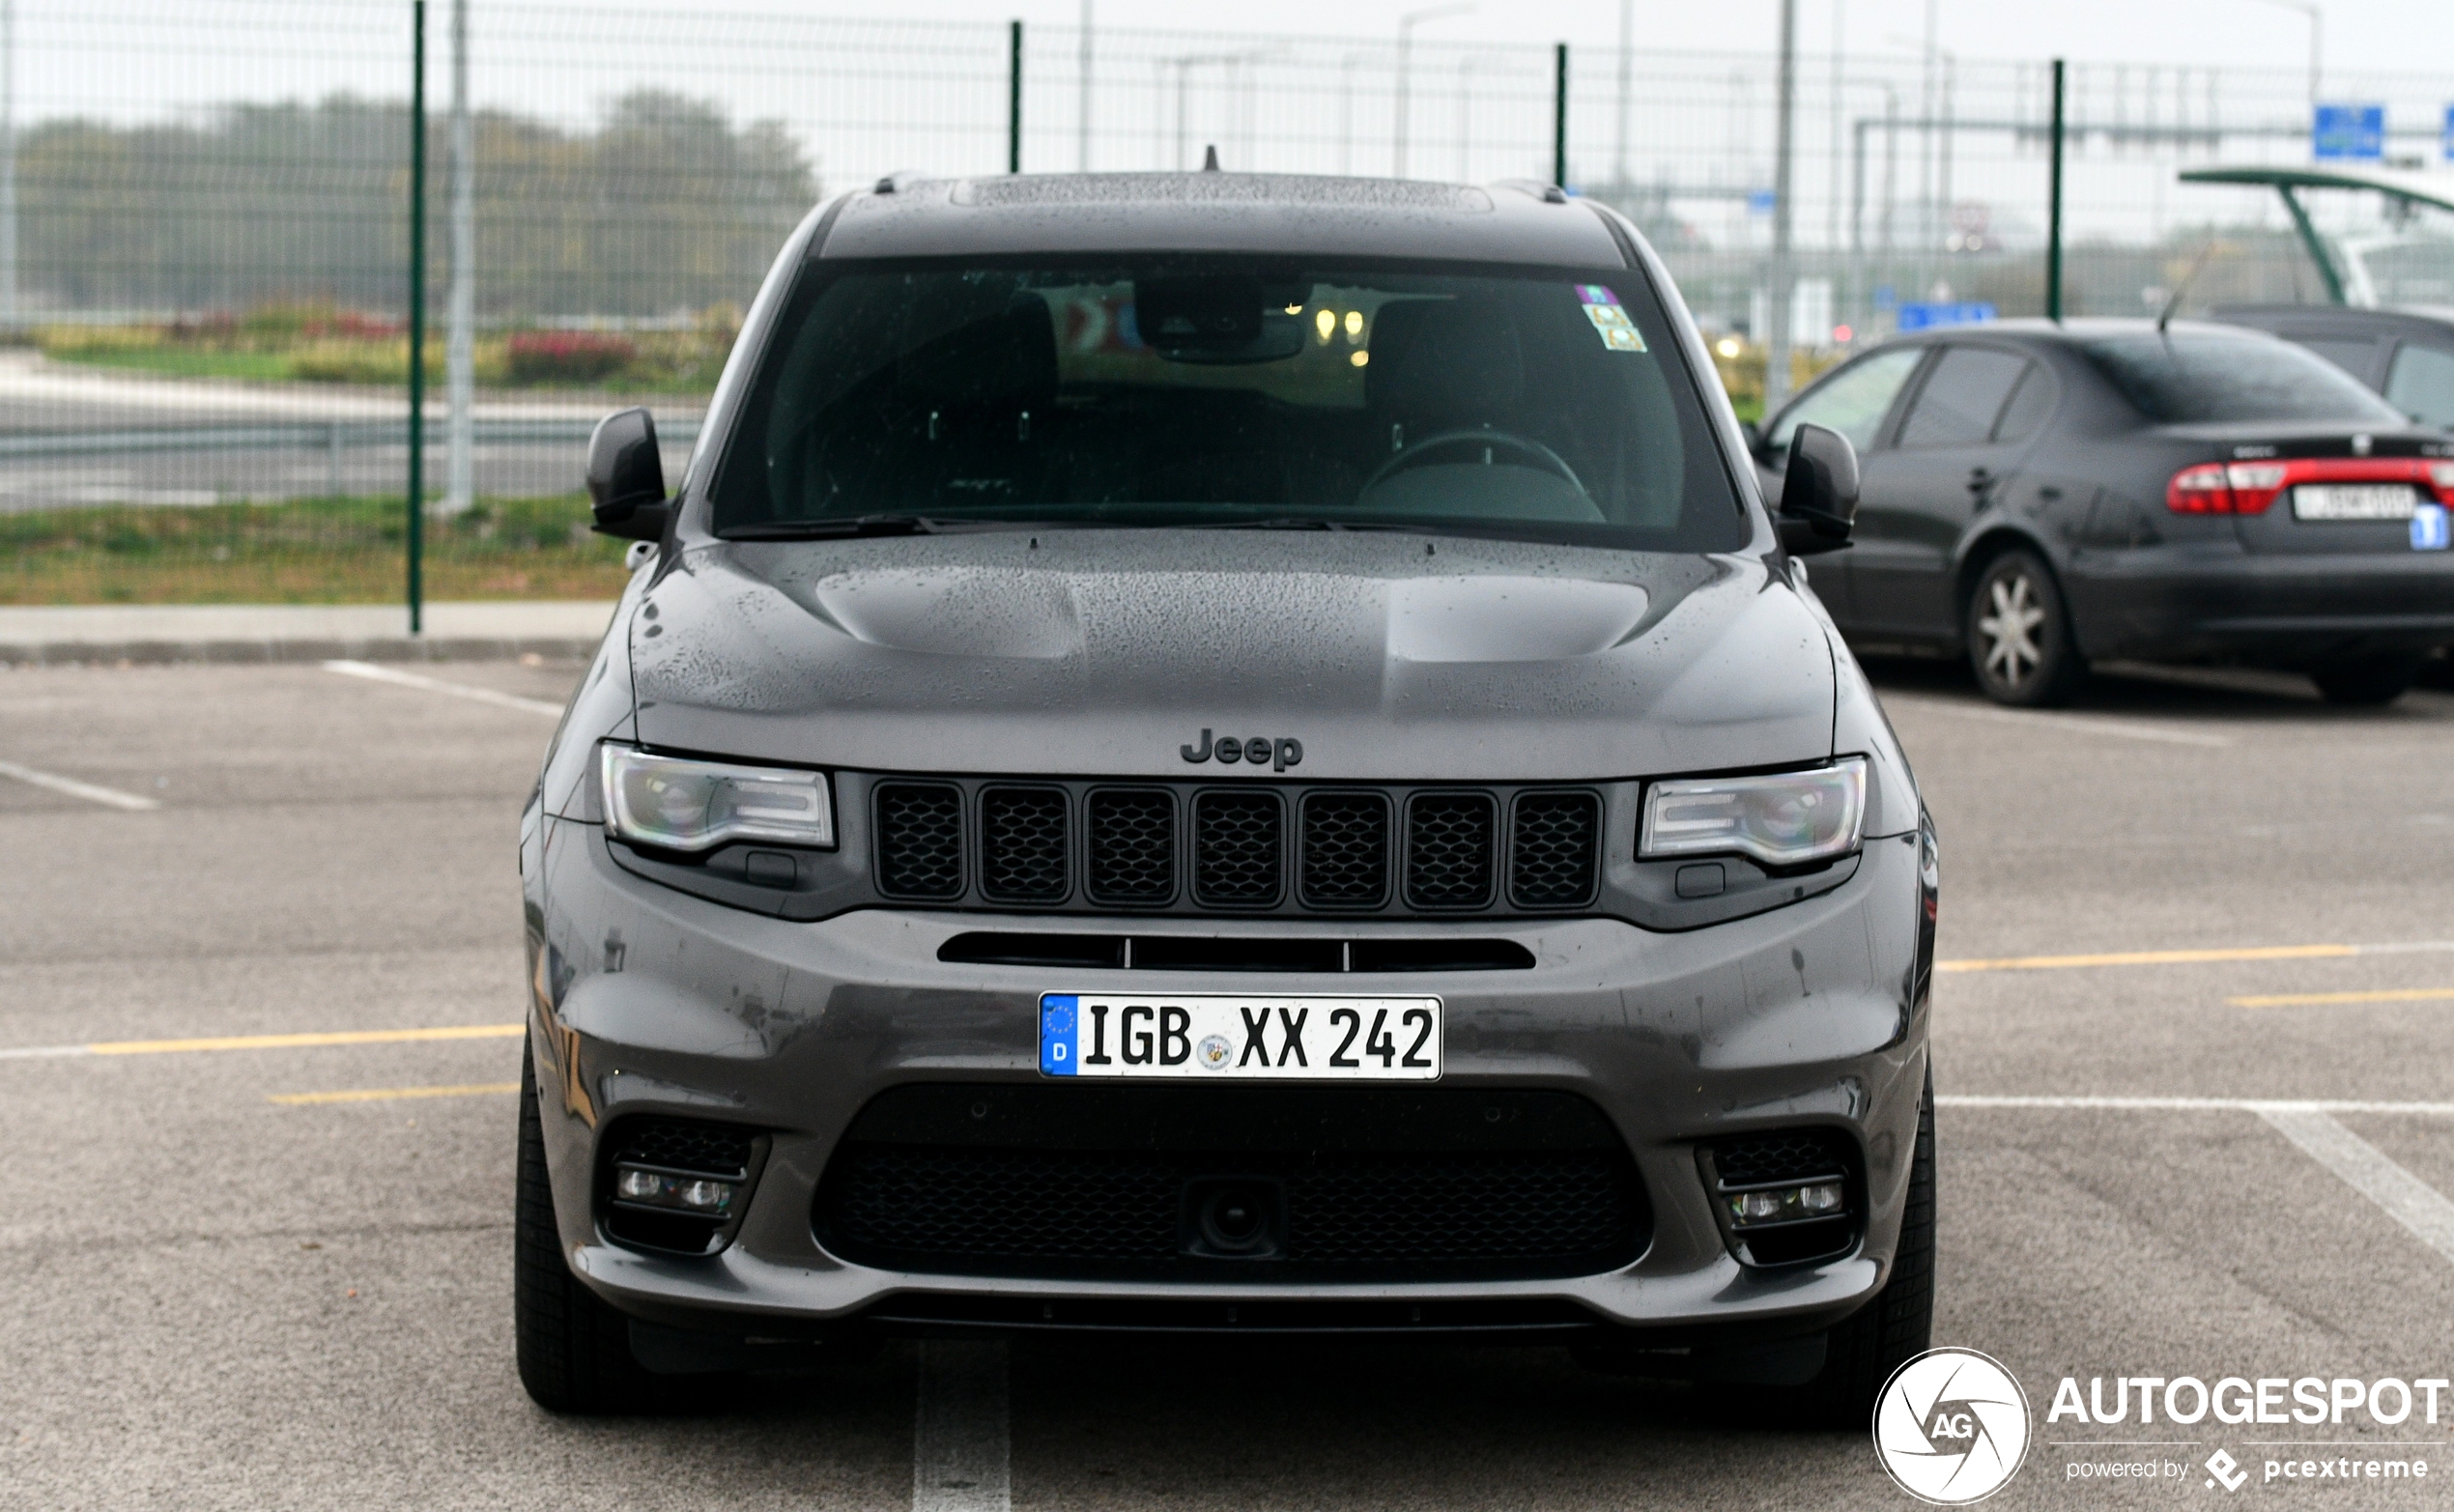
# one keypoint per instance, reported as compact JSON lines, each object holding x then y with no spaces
{"x":1239,"y":1037}
{"x":2354,"y":501}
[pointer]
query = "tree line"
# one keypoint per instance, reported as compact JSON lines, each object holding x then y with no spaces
{"x":661,"y":205}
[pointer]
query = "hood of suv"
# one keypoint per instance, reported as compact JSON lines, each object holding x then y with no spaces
{"x":1103,"y":652}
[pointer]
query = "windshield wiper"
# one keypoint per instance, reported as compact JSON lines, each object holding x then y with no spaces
{"x":862,"y":524}
{"x":1315,"y":522}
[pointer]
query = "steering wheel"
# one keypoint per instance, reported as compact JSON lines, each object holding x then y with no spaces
{"x":1416,"y":453}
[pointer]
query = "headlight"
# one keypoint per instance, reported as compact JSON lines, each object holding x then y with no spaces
{"x":681,"y":805}
{"x":1783,"y":821}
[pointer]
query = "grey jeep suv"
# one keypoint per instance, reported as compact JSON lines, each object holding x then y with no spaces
{"x":1233,"y":752}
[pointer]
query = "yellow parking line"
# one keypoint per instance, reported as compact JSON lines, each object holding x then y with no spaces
{"x":2302,"y":999}
{"x":390,"y":1094}
{"x":2151,"y":957}
{"x":300,"y":1041}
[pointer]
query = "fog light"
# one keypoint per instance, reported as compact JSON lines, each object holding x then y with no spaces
{"x":675,"y":1193}
{"x":1756,"y":1207}
{"x":1787,"y":1204}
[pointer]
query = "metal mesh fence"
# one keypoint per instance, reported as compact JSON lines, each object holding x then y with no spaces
{"x":204,"y":230}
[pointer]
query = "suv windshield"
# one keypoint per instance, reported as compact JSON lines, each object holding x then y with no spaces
{"x":2183,"y":377}
{"x":1204,"y":393}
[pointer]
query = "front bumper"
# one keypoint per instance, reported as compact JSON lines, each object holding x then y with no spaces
{"x":649,"y":1000}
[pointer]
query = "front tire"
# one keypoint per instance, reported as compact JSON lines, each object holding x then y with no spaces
{"x":1862,"y":1353}
{"x":2017,"y":629}
{"x":574,"y":1351}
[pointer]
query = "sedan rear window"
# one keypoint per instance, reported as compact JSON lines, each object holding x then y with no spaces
{"x":2176,"y":378}
{"x":1190,"y":392}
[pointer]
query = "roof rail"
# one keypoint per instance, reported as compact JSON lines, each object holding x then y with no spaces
{"x":1548,"y":194}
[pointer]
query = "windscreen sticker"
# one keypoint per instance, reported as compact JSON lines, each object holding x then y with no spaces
{"x":1610,"y":319}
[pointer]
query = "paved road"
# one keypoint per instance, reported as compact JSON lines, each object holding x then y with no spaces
{"x":96,"y":437}
{"x":214,"y":1298}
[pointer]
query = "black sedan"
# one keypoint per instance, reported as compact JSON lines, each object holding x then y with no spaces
{"x":2042,"y":495}
{"x":2405,"y":355}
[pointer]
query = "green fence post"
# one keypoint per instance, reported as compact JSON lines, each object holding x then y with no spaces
{"x":2053,"y":211}
{"x":1013,"y":103}
{"x":417,"y":318}
{"x":1560,"y":117}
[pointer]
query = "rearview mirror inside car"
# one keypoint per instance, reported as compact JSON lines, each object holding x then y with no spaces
{"x":626,"y":476}
{"x":1818,"y":492}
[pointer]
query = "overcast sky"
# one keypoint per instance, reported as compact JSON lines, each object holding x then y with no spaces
{"x":2392,"y":36}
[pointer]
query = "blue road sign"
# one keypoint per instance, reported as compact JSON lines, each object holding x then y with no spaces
{"x":2449,"y":133}
{"x":2349,"y":134}
{"x":1921,"y":317}
{"x":1761,"y":202}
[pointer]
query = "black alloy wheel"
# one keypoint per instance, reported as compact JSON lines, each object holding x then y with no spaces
{"x":2018,"y":634}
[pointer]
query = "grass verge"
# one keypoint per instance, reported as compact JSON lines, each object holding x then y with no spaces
{"x":350,"y":550}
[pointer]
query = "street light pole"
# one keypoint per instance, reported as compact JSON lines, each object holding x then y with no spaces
{"x":1082,"y":112}
{"x":1627,"y":45}
{"x":1406,"y":25}
{"x":460,"y":351}
{"x":2317,"y":33}
{"x":1777,"y":348}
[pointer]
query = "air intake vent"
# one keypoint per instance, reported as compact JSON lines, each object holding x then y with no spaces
{"x":1237,"y":849}
{"x":1133,"y":846}
{"x":920,"y":839}
{"x":1024,"y":846}
{"x":1346,"y":850}
{"x":1448,"y":849}
{"x":1552,"y":844}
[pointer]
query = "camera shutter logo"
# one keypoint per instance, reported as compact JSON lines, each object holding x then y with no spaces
{"x":1952,"y":1427}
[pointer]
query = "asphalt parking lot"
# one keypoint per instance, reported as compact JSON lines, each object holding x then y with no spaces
{"x":277,"y":1274}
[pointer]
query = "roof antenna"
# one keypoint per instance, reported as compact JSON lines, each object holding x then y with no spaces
{"x":2165,"y":317}
{"x":1210,"y":158}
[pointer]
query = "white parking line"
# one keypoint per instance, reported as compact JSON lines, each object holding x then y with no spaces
{"x":2310,"y":1125}
{"x":109,"y":796}
{"x":962,"y":1450}
{"x":2080,"y":723}
{"x":2407,"y":1199}
{"x":458,"y":689}
{"x":2258,"y":1105}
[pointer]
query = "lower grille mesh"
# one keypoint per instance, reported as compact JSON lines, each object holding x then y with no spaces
{"x":938,"y":1208}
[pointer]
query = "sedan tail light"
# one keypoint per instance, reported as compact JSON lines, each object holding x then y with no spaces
{"x":2249,"y":488}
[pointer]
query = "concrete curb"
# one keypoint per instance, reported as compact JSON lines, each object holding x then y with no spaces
{"x":85,"y":635}
{"x":397,"y":649}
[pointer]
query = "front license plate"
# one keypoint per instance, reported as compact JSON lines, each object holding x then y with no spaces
{"x":2354,"y":501}
{"x":1239,"y":1036}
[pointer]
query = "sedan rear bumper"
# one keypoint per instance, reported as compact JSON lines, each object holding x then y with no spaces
{"x":2284,"y":610}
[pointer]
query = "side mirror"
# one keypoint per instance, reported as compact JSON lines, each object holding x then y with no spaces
{"x":1819,"y":493}
{"x":626,"y":477}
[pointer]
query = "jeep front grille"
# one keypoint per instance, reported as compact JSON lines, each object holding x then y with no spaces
{"x":1272,"y":849}
{"x":1238,"y":849}
{"x":920,"y":839}
{"x":1448,"y":849}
